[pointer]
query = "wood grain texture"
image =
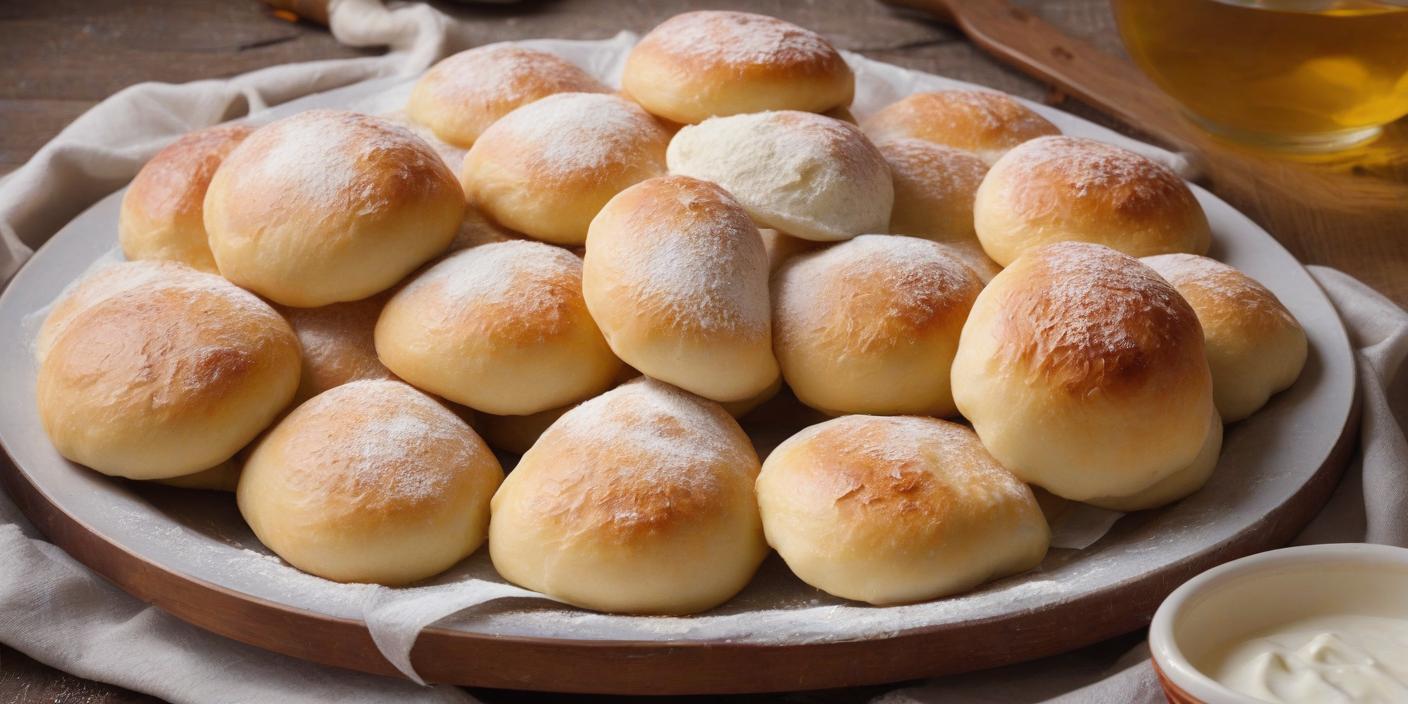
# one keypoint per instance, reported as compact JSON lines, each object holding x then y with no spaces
{"x":59,"y":57}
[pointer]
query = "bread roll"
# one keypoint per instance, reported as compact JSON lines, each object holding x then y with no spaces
{"x":161,"y":216}
{"x":637,"y":501}
{"x":934,"y":190}
{"x":1082,"y":371}
{"x":166,"y":379}
{"x":337,"y":343}
{"x":222,"y":477}
{"x":1255,"y":346}
{"x":698,"y":65}
{"x":459,"y":97}
{"x":372,"y":481}
{"x":985,"y":123}
{"x":327,"y":206}
{"x":1175,"y":486}
{"x":781,"y":247}
{"x":807,"y":175}
{"x":677,"y":277}
{"x":546,"y":168}
{"x":501,"y":328}
{"x":871,"y":325}
{"x":896,"y":510}
{"x":1057,"y":189}
{"x":100,"y":283}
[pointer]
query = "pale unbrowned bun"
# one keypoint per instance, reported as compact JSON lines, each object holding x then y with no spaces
{"x":459,"y":97}
{"x":637,"y":501}
{"x":712,"y":63}
{"x":1056,"y":189}
{"x":934,"y":191}
{"x":102,"y":282}
{"x":677,"y":277}
{"x":337,"y":344}
{"x":166,"y":379}
{"x":372,"y":481}
{"x":808,"y":175}
{"x":1255,"y":346}
{"x":327,"y":206}
{"x":985,"y":123}
{"x":897,"y":510}
{"x":501,"y":328}
{"x":547,"y":168}
{"x":1083,"y":372}
{"x":162,"y":211}
{"x":871,"y":325}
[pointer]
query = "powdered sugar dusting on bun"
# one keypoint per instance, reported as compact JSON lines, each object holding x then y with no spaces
{"x":462,"y":95}
{"x":985,"y":123}
{"x":739,"y":39}
{"x":571,"y":133}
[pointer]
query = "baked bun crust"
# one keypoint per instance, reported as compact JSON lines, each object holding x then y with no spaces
{"x":934,"y":191}
{"x":891,"y":510}
{"x":807,"y":175}
{"x":162,"y":210}
{"x":101,"y":282}
{"x":1071,"y":189}
{"x":985,"y":123}
{"x":872,"y":325}
{"x":677,"y":277}
{"x":1175,"y":486}
{"x":338,"y":344}
{"x":329,"y":206}
{"x":501,"y":328}
{"x":698,"y":65}
{"x":637,"y":501}
{"x":1082,"y":371}
{"x":372,"y":481}
{"x":166,"y":379}
{"x":547,"y":168}
{"x":459,"y":97}
{"x":1255,"y":346}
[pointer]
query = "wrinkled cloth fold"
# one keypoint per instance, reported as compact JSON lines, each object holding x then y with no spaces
{"x":60,"y":613}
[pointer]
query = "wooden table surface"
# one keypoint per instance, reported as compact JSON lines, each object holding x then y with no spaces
{"x":59,"y":57}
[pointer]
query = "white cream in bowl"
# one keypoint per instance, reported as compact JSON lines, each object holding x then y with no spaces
{"x":1322,"y":623}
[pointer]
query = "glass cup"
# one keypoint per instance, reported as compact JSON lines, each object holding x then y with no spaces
{"x":1293,"y":75}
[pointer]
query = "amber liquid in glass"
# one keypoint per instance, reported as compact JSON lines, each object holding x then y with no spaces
{"x":1289,"y":74}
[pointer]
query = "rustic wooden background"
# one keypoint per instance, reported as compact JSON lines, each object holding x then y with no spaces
{"x":59,"y":57}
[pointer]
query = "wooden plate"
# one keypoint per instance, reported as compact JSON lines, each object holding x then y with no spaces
{"x":189,"y":553}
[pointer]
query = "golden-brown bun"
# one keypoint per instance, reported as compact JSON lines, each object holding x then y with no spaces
{"x":327,"y":206}
{"x":462,"y":95}
{"x":698,"y":65}
{"x":896,"y":510}
{"x":677,"y":277}
{"x":1056,"y":189}
{"x":781,"y":247}
{"x":1083,"y":372}
{"x":1175,"y":486}
{"x":871,"y":325}
{"x":166,"y":379}
{"x":222,"y":477}
{"x":637,"y":501}
{"x":337,"y":344}
{"x":1255,"y":346}
{"x":934,"y":191}
{"x":808,"y":175}
{"x":162,"y":211}
{"x":101,"y":283}
{"x":476,"y":228}
{"x":982,"y":122}
{"x":501,"y":328}
{"x":372,"y":481}
{"x":548,"y":167}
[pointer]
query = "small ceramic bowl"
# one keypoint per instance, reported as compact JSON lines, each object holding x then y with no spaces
{"x":1262,"y":591}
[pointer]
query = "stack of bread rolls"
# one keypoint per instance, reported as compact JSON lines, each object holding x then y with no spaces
{"x":326,"y":314}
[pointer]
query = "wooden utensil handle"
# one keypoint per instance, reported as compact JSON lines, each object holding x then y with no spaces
{"x":1041,"y":50}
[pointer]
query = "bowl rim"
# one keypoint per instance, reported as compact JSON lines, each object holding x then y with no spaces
{"x":1169,"y":658}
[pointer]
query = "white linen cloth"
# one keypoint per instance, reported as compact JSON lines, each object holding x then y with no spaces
{"x":58,"y":612}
